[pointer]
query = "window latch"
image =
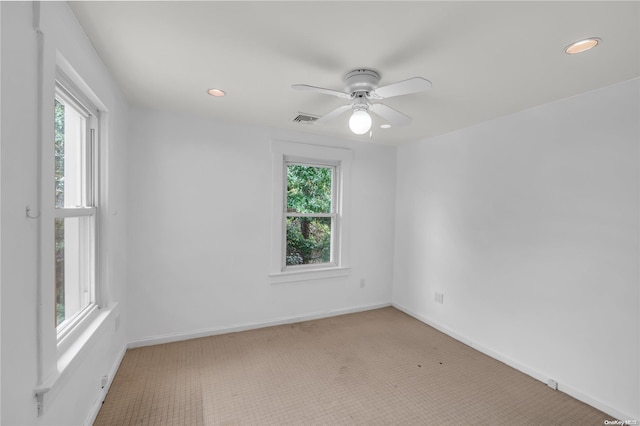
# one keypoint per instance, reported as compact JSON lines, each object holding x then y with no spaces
{"x":28,"y":213}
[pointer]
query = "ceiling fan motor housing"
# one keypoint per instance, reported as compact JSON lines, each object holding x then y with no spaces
{"x":360,"y":102}
{"x":361,"y":80}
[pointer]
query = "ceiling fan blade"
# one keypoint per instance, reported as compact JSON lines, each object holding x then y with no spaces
{"x":320,"y":90}
{"x":405,"y":87}
{"x":333,"y":114}
{"x":391,"y":115}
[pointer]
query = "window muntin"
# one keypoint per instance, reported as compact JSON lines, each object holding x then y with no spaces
{"x":75,"y":210}
{"x":310,"y":217}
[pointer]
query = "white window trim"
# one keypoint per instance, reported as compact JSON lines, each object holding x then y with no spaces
{"x":283,"y":152}
{"x":58,"y":354}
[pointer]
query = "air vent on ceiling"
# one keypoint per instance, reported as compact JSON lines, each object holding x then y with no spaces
{"x":304,"y":118}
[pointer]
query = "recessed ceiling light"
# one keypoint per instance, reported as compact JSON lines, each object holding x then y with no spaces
{"x":385,"y":126}
{"x":216,"y":92}
{"x":582,"y":45}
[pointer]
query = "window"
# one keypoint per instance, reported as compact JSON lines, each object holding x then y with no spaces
{"x":73,"y":306}
{"x":310,"y":220}
{"x":75,"y":210}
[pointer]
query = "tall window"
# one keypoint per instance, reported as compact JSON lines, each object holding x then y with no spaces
{"x":311,"y":214}
{"x":75,"y":208}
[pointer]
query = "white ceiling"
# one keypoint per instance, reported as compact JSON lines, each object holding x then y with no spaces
{"x":485,"y":59}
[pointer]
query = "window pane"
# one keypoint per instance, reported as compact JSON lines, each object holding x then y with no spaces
{"x":59,"y":152}
{"x":309,"y":189}
{"x":73,"y":266}
{"x":308,"y":240}
{"x":70,"y":129}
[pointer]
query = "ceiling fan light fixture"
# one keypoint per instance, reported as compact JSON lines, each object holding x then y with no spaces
{"x":360,"y":122}
{"x":582,"y":45}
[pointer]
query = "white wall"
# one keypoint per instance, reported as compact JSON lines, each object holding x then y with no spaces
{"x":529,"y":226}
{"x":77,"y":393}
{"x":199,"y":230}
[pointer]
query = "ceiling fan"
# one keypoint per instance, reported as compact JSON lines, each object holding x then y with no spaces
{"x":361,"y":88}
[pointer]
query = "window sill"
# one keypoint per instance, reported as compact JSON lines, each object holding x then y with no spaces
{"x":74,"y":352}
{"x":78,"y":341}
{"x":308,"y":274}
{"x":76,"y":327}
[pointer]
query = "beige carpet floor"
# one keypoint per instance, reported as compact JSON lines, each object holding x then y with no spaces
{"x":379,"y":367}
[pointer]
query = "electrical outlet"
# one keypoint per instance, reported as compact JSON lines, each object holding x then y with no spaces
{"x":103,"y":381}
{"x":552,"y":384}
{"x":439,"y":298}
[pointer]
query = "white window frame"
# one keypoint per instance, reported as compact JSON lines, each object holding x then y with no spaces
{"x":75,"y":91}
{"x":70,"y":96}
{"x":284,"y":153}
{"x":333,"y":214}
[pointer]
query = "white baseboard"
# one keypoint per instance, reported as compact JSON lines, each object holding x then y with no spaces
{"x":518,"y":366}
{"x":91,"y":418}
{"x":176,"y":337}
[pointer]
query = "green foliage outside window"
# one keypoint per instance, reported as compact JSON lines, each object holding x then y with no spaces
{"x":59,"y":200}
{"x":308,"y":191}
{"x":59,"y":152}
